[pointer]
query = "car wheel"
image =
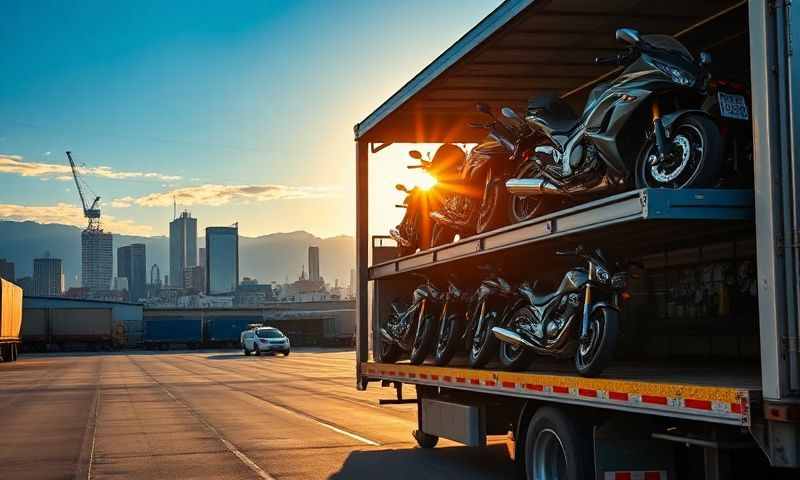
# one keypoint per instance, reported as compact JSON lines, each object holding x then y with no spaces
{"x":258,"y":351}
{"x":246,"y":351}
{"x":286,"y":353}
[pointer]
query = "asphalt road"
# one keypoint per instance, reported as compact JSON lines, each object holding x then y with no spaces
{"x":215,"y":415}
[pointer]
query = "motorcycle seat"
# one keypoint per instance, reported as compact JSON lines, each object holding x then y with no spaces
{"x":536,"y":299}
{"x":595,"y":95}
{"x":553,"y":111}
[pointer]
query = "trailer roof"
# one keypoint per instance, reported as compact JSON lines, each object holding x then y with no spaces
{"x":527,"y":47}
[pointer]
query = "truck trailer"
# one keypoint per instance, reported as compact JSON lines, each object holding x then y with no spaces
{"x":705,"y":383}
{"x":10,"y":320}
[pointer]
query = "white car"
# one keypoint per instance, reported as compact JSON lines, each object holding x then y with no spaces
{"x":265,"y":340}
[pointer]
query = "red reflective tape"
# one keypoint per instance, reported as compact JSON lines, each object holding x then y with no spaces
{"x":655,"y":399}
{"x":412,"y":375}
{"x":622,"y":476}
{"x":423,"y":376}
{"x":698,"y":404}
{"x":461,"y":379}
{"x":489,"y":383}
{"x":507,"y":384}
{"x":447,"y":378}
{"x":474,"y":381}
{"x":390,"y":372}
{"x":558,"y":389}
{"x":401,"y":374}
{"x":434,"y":377}
{"x":737,"y":408}
{"x":587,"y":392}
{"x":532,"y":386}
{"x":618,"y":396}
{"x":652,"y":475}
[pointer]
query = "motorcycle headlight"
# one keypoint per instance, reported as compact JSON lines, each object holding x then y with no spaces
{"x":601,"y":274}
{"x":619,"y":281}
{"x":678,"y":76}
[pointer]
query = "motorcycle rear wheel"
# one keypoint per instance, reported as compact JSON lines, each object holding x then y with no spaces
{"x":449,"y":339}
{"x":484,"y":343}
{"x":492,"y":210}
{"x":593,"y":355}
{"x":423,"y":342}
{"x":516,"y":358}
{"x":696,"y":163}
{"x":441,"y":235}
{"x":522,"y":208}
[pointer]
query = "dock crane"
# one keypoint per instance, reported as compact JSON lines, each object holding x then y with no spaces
{"x":91,"y":212}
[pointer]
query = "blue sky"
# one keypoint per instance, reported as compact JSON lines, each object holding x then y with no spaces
{"x":243,"y":109}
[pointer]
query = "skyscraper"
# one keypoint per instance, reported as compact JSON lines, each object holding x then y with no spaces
{"x":132,"y":264}
{"x":313,"y":263}
{"x":182,"y":247}
{"x":48,"y":277}
{"x":97,"y":260}
{"x":6,"y":269}
{"x":201,"y":257}
{"x":222,"y":260}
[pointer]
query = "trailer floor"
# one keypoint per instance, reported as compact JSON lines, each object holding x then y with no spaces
{"x":214,"y":415}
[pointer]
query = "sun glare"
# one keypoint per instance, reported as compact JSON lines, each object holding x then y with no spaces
{"x":426,"y":181}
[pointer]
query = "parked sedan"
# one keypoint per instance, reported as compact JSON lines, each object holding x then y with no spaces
{"x":265,"y":340}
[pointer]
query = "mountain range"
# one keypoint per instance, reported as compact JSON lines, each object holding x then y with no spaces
{"x":276,"y":256}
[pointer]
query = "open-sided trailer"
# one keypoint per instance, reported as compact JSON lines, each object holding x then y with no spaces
{"x":688,"y":416}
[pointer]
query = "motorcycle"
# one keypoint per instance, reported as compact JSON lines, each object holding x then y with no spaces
{"x":586,"y":303}
{"x":411,"y":328}
{"x":452,"y":322}
{"x":488,"y":306}
{"x":474,"y":202}
{"x":414,"y":230}
{"x":645,"y":128}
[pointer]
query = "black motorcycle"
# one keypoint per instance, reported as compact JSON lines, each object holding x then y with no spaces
{"x":488,"y":306}
{"x":580,"y":318}
{"x":411,"y":328}
{"x":474,"y":202}
{"x":646,"y":128}
{"x":452,"y":323}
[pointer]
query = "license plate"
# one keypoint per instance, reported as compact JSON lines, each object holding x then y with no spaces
{"x":733,"y":106}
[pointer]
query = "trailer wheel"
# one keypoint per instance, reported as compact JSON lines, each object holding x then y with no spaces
{"x":425,"y":440}
{"x":557,"y":446}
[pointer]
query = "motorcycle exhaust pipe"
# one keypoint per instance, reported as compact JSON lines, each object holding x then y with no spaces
{"x":512,"y":337}
{"x":532,"y":186}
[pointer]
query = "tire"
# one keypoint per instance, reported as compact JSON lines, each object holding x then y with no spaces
{"x":441,"y":235}
{"x":387,"y":352}
{"x":485,"y":348}
{"x":286,"y":353}
{"x":492,"y":210}
{"x":512,"y":357}
{"x":521,"y":208}
{"x":557,"y":445}
{"x":592,"y":359}
{"x":447,"y":342}
{"x":700,"y":167}
{"x":258,"y":351}
{"x":425,"y":440}
{"x":424,"y":341}
{"x":246,"y":352}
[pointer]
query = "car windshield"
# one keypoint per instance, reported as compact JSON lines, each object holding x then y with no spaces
{"x":667,"y":43}
{"x":269,"y":333}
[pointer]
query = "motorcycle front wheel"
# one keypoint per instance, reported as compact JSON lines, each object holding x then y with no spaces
{"x":441,"y":235}
{"x":491,"y":212}
{"x":695,"y":161}
{"x":450,"y":331}
{"x":517,"y":357}
{"x":423,"y":342}
{"x":596,"y":351}
{"x":484,"y":343}
{"x":387,"y":352}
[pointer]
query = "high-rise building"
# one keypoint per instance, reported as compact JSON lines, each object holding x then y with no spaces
{"x":222,"y":260}
{"x":201,"y":258}
{"x":132,"y":264}
{"x":97,"y":260}
{"x":48,"y":277}
{"x":6,"y":269}
{"x":313,"y":264}
{"x":194,"y":279}
{"x":182,"y":247}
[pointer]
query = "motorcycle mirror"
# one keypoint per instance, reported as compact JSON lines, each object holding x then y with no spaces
{"x":705,"y":58}
{"x":509,"y":113}
{"x":401,"y":187}
{"x":415,"y":154}
{"x":483,"y":108}
{"x":628,"y":35}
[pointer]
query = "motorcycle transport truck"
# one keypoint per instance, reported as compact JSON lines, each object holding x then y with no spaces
{"x":701,"y":377}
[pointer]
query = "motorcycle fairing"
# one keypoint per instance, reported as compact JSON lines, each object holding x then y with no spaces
{"x":480,"y":157}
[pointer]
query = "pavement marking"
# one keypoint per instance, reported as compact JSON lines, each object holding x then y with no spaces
{"x":260,"y":472}
{"x":86,"y":456}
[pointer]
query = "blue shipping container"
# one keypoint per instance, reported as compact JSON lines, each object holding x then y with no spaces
{"x":173,"y":329}
{"x":228,"y":329}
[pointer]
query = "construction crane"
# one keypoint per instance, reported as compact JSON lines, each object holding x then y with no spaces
{"x":91,"y":212}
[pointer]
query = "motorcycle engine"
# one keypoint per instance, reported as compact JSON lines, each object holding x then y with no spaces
{"x":567,"y":308}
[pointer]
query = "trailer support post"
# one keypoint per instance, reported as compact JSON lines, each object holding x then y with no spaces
{"x":362,"y":259}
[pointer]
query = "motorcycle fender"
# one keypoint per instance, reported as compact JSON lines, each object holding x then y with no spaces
{"x":601,"y":305}
{"x":671,"y":119}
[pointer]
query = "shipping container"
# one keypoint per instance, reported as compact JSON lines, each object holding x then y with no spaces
{"x":706,"y":382}
{"x":227,"y":329}
{"x":10,"y":320}
{"x":81,"y":325}
{"x":164,"y":331}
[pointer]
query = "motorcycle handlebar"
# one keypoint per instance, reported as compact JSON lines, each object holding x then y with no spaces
{"x":607,"y":60}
